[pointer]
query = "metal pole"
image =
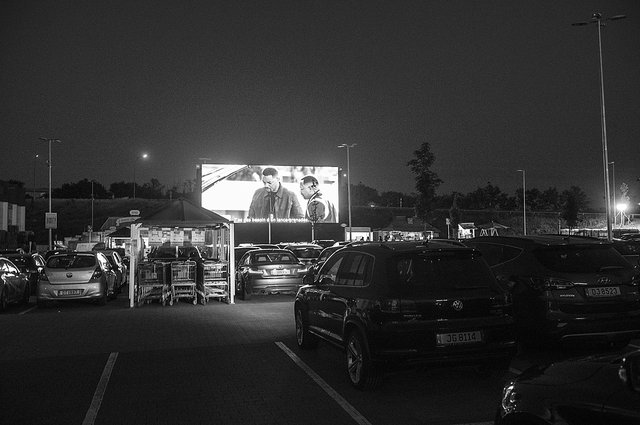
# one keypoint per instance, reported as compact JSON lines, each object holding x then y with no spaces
{"x":605,"y":153}
{"x":34,"y":177}
{"x":613,"y":189}
{"x":344,"y":145}
{"x":524,"y":202}
{"x":91,"y":231}
{"x":49,"y":141}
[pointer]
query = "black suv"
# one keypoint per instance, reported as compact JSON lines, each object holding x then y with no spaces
{"x":566,"y":287}
{"x":406,"y":302}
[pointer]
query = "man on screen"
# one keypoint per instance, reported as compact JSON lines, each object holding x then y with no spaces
{"x":274,"y":199}
{"x":318,"y":208}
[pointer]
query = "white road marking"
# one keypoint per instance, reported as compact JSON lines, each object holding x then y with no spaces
{"x":346,"y":406}
{"x":28,"y":310}
{"x":90,"y":417}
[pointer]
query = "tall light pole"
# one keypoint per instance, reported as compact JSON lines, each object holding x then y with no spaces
{"x":597,"y":19}
{"x":35,"y":158}
{"x":49,"y":141}
{"x":613,"y":189}
{"x":344,"y":145}
{"x":139,"y":157}
{"x":524,"y":202}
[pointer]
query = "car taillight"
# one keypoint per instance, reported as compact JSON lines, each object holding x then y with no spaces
{"x":258,"y":272}
{"x":549,"y":283}
{"x":97,"y":274}
{"x":635,"y":280}
{"x":395,"y":305}
{"x":43,"y":277}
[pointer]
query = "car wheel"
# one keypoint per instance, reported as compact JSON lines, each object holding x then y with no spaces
{"x":362,"y":372}
{"x":103,"y":299}
{"x":26,"y":294}
{"x":3,"y":301}
{"x":246,"y":291}
{"x":305,"y":339}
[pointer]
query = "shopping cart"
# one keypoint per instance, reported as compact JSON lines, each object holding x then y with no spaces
{"x":215,"y":281}
{"x":152,"y":283}
{"x":183,"y":281}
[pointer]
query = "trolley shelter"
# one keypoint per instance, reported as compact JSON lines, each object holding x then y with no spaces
{"x":162,"y":263}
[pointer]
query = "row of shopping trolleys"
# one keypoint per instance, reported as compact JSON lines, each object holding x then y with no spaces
{"x":170,"y":281}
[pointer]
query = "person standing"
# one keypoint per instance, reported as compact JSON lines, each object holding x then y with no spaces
{"x":273,"y":199}
{"x":318,"y":209}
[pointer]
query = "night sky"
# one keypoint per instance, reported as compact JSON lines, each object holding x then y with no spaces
{"x":493,"y":86}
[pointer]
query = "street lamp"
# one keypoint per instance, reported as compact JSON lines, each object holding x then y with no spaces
{"x":49,"y":141}
{"x":597,"y":18}
{"x":524,"y":202}
{"x":35,"y":158}
{"x":138,"y":158}
{"x":613,"y":186}
{"x":344,"y":145}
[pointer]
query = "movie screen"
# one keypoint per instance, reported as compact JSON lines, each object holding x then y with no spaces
{"x":280,"y":193}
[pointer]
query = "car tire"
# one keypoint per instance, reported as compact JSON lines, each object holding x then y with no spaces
{"x":246,"y":291}
{"x":3,"y":301}
{"x":304,"y":338}
{"x":103,"y":299}
{"x":363,"y":373}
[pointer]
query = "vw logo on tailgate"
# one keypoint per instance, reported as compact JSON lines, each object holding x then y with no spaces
{"x":457,"y":305}
{"x":69,"y":274}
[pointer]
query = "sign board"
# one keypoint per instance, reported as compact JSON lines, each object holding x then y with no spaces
{"x":50,"y":220}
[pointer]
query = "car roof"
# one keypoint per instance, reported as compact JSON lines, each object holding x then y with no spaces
{"x":406,"y":246}
{"x":543,"y":240}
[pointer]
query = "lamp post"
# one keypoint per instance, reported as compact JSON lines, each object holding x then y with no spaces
{"x":613,"y":189}
{"x":347,"y":147}
{"x":49,"y":141}
{"x":524,"y":202}
{"x":35,"y":158}
{"x":139,"y":157}
{"x":597,"y":19}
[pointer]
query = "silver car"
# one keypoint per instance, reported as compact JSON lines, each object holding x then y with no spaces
{"x":77,"y":276}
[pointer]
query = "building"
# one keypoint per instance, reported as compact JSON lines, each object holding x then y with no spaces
{"x":12,"y":215}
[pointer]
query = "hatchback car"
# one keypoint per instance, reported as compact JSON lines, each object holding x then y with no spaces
{"x":566,"y":288}
{"x":119,"y":267}
{"x":268,"y":271}
{"x":398,"y":303}
{"x":600,"y":389}
{"x":29,"y":264}
{"x":14,"y":285}
{"x":77,"y":276}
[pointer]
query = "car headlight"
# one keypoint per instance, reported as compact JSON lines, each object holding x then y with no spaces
{"x":509,"y":398}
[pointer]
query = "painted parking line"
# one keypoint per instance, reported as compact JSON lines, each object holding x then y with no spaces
{"x":98,"y":395}
{"x":28,"y":310}
{"x":346,"y":406}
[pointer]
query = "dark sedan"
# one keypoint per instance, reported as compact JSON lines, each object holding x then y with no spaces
{"x":602,"y":389}
{"x":14,"y":285}
{"x":29,"y":264}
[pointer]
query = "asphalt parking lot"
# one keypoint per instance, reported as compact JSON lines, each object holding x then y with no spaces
{"x":80,"y":363}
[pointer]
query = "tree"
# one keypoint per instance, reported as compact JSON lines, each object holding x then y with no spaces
{"x":574,"y":200}
{"x":427,"y":181}
{"x":363,"y":195}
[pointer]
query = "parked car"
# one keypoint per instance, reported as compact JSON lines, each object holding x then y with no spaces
{"x":239,"y":251}
{"x":629,"y":248}
{"x":630,"y":236}
{"x":118,"y":265}
{"x":29,"y":264}
{"x":313,"y":268}
{"x":77,"y":276}
{"x":306,"y":253}
{"x":402,"y":303}
{"x":600,"y":389}
{"x":14,"y":285}
{"x":268,"y":271}
{"x":324,"y":243}
{"x":565,"y":287}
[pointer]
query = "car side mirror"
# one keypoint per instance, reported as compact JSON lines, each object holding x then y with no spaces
{"x":629,"y":371}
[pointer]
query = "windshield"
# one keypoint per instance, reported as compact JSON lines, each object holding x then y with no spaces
{"x":71,"y":262}
{"x":580,"y":259}
{"x":428,"y":272}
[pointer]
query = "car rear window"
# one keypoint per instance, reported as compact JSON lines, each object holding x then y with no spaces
{"x":274,"y":257}
{"x":307,"y":252}
{"x":428,"y":272}
{"x":580,"y":258}
{"x":71,"y":262}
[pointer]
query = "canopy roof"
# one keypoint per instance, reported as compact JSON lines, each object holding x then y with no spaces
{"x":182,"y":213}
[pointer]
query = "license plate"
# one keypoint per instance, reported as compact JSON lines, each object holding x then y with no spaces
{"x":278,"y":272}
{"x":605,"y":291}
{"x":459,"y":338}
{"x":70,"y":292}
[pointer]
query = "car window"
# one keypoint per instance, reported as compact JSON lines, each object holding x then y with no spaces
{"x":306,"y":252}
{"x":19,"y":261}
{"x":576,"y":258}
{"x":71,"y":261}
{"x":496,"y":253}
{"x":104,"y":262}
{"x":3,"y":266}
{"x":420,"y":273}
{"x":39,"y":260}
{"x":356,"y":270}
{"x":329,"y":272}
{"x":11,"y":268}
